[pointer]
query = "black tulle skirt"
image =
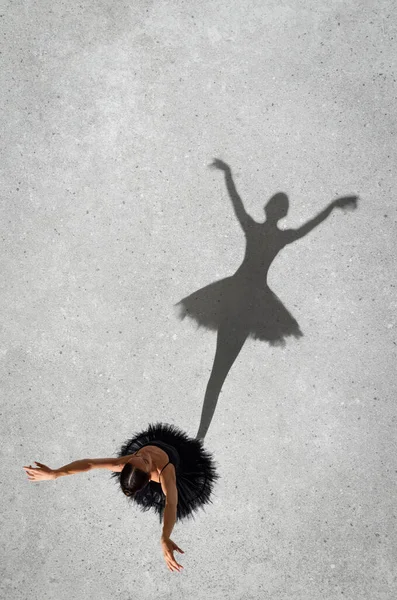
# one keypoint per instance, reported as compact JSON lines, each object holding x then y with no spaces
{"x":194,"y":466}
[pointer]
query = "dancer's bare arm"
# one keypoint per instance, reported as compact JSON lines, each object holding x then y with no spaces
{"x":347,"y":202}
{"x":243,"y":217}
{"x":168,"y":485}
{"x":43,"y":472}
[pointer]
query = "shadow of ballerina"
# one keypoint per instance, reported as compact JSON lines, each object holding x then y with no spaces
{"x":243,"y":305}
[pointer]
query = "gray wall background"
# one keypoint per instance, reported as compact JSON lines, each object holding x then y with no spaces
{"x":113,"y":110}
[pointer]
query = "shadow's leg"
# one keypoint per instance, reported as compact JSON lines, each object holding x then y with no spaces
{"x":228,"y":345}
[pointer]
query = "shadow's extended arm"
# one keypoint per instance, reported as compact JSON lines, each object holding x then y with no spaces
{"x":243,"y":217}
{"x":346,"y":202}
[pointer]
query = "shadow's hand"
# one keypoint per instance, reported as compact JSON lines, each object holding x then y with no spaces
{"x":219,"y":164}
{"x":346,"y":202}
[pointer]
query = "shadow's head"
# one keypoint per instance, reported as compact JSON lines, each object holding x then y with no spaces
{"x":133,"y":480}
{"x":277,"y":207}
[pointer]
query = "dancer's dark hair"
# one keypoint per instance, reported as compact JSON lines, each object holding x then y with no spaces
{"x":132,"y":479}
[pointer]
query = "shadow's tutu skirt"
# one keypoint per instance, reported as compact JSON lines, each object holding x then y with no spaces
{"x":194,"y":466}
{"x":238,"y":302}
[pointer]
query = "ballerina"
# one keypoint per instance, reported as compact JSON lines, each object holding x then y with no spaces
{"x":159,"y":468}
{"x":243,"y":305}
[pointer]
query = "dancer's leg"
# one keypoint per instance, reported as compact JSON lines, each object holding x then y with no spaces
{"x":228,"y":346}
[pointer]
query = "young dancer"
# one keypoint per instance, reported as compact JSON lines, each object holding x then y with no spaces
{"x":160,"y":468}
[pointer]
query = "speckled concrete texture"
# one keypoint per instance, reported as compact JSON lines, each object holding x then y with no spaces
{"x":110,"y":216}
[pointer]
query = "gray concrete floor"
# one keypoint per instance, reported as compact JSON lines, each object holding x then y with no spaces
{"x":113,"y":110}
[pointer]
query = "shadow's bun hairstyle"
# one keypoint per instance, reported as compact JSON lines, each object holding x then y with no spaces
{"x":132,"y":479}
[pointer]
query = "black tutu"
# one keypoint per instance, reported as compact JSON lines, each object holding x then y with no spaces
{"x":240,"y":302}
{"x":194,"y":466}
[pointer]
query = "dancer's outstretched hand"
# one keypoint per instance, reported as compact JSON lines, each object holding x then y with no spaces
{"x":219,"y":164}
{"x":169,"y":547}
{"x":39,"y":474}
{"x":346,"y":202}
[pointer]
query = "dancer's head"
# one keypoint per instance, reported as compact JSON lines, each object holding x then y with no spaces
{"x":277,"y":207}
{"x":133,"y":480}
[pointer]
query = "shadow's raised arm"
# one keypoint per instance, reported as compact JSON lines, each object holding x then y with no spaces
{"x":243,"y":217}
{"x":346,"y":202}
